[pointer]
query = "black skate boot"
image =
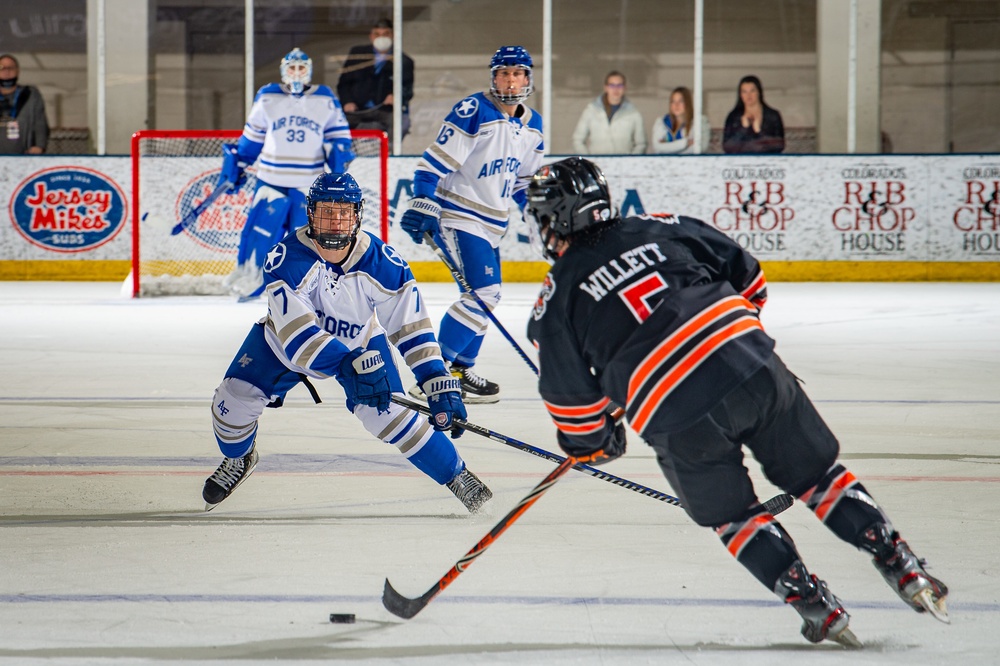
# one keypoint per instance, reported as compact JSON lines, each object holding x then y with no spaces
{"x":823,"y":616}
{"x":231,"y":473}
{"x":904,"y":572}
{"x":475,"y":389}
{"x":470,"y":490}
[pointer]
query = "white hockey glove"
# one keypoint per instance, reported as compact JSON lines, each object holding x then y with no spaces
{"x":444,"y":397}
{"x":422,"y":215}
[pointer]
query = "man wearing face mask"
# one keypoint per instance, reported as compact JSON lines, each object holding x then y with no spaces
{"x":23,"y":127}
{"x":365,"y":85}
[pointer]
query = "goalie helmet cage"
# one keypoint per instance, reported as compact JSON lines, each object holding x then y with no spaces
{"x":175,"y":170}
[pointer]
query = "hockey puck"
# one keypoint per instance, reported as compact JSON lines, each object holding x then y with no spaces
{"x":342,"y":618}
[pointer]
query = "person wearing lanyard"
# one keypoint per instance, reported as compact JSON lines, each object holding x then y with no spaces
{"x":23,"y":127}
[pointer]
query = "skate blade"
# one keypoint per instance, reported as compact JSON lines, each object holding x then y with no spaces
{"x":929,"y":603}
{"x":470,"y":399}
{"x":847,"y":639}
{"x":209,"y":507}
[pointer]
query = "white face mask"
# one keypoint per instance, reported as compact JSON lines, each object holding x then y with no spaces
{"x":382,"y":44}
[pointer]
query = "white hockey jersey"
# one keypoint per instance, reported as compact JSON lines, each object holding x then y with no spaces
{"x":317,"y":311}
{"x":289,"y":132}
{"x":482,"y":157}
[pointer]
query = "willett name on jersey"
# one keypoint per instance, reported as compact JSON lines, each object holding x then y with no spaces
{"x":611,"y":274}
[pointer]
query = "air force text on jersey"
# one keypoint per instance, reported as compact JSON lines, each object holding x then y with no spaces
{"x":610,"y":275}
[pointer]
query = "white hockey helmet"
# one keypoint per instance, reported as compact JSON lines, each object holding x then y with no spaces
{"x":296,"y":70}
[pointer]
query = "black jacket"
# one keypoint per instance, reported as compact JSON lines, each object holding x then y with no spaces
{"x":739,"y":139}
{"x":360,"y":84}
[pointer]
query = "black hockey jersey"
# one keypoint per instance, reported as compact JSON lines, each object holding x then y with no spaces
{"x":658,"y":315}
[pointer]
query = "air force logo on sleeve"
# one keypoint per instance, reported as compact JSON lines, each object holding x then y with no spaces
{"x":467,"y":107}
{"x":393,"y":256}
{"x":275,"y":257}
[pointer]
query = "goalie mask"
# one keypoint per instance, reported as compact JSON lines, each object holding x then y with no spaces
{"x":511,"y":56}
{"x":335,"y":206}
{"x":296,"y":71}
{"x":566,"y":198}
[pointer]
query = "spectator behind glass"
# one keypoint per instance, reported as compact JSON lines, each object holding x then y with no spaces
{"x":752,"y":126}
{"x":365,"y":85}
{"x":672,"y":133}
{"x":23,"y":127}
{"x":610,"y":125}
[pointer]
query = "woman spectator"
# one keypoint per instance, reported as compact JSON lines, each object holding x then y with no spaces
{"x":752,"y":126}
{"x":672,"y":134}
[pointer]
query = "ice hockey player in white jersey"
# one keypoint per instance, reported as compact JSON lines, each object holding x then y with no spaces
{"x":337,"y":298}
{"x":484,"y":155}
{"x":294,"y":132}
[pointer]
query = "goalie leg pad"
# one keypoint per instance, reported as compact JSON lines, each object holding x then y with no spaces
{"x":265,"y":222}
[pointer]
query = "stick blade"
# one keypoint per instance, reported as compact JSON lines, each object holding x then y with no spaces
{"x":779,"y":503}
{"x":401,"y":606}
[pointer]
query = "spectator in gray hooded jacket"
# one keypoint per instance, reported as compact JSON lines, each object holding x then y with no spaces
{"x":610,"y":125}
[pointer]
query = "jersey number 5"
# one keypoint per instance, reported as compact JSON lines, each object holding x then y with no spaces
{"x":638,"y":296}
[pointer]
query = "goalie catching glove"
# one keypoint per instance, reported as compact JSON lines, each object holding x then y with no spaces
{"x":421,"y":216}
{"x":444,"y":398}
{"x":362,"y":374}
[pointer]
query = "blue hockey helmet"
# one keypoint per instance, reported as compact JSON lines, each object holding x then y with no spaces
{"x":511,"y":56}
{"x":566,"y":198}
{"x":296,"y":70}
{"x":329,"y":232}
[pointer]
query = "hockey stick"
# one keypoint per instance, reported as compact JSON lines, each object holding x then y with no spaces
{"x":406,"y":608}
{"x":452,"y":267}
{"x":199,"y":209}
{"x":774,"y":506}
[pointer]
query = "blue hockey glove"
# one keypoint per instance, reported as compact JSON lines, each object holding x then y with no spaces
{"x":362,"y":374}
{"x":421,"y":216}
{"x":444,"y":397}
{"x":232,"y":167}
{"x":338,"y":155}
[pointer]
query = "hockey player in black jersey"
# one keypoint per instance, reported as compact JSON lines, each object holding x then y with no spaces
{"x":659,"y":315}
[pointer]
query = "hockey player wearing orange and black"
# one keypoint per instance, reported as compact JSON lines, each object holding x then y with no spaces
{"x":659,"y":315}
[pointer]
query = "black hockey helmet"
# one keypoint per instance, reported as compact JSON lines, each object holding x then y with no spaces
{"x":567,"y":197}
{"x":335,"y":188}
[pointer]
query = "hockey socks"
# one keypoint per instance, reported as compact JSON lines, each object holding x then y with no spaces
{"x":438,"y":458}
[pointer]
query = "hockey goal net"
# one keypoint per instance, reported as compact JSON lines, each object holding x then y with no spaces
{"x":174,"y":171}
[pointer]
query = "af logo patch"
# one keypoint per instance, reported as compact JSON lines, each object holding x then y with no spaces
{"x":548,"y":288}
{"x":441,"y":419}
{"x":467,"y":107}
{"x":275,"y":257}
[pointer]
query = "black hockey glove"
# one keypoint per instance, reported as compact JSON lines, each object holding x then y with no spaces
{"x":612,"y":448}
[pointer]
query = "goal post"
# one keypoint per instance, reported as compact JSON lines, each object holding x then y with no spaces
{"x":173,"y":171}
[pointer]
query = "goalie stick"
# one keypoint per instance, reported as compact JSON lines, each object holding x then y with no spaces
{"x":406,"y":608}
{"x":199,"y":209}
{"x":774,"y":506}
{"x":452,"y":267}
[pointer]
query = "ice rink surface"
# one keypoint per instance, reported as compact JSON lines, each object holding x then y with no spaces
{"x":107,"y":557}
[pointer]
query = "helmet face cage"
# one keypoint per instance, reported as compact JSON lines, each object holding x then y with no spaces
{"x":335,"y":188}
{"x":511,"y":56}
{"x":296,"y":70}
{"x":567,"y":197}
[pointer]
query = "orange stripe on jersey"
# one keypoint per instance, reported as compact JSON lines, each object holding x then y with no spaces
{"x":687,"y":365}
{"x":834,"y":493}
{"x":580,"y":428}
{"x":757,"y":285}
{"x":579,"y":411}
{"x":677,"y":339}
{"x":745,"y":533}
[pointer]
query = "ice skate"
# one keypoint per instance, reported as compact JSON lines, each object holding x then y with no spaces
{"x":475,"y":389}
{"x":823,"y":616}
{"x":904,"y":572}
{"x":227,"y":478}
{"x":470,"y":490}
{"x":417,"y":393}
